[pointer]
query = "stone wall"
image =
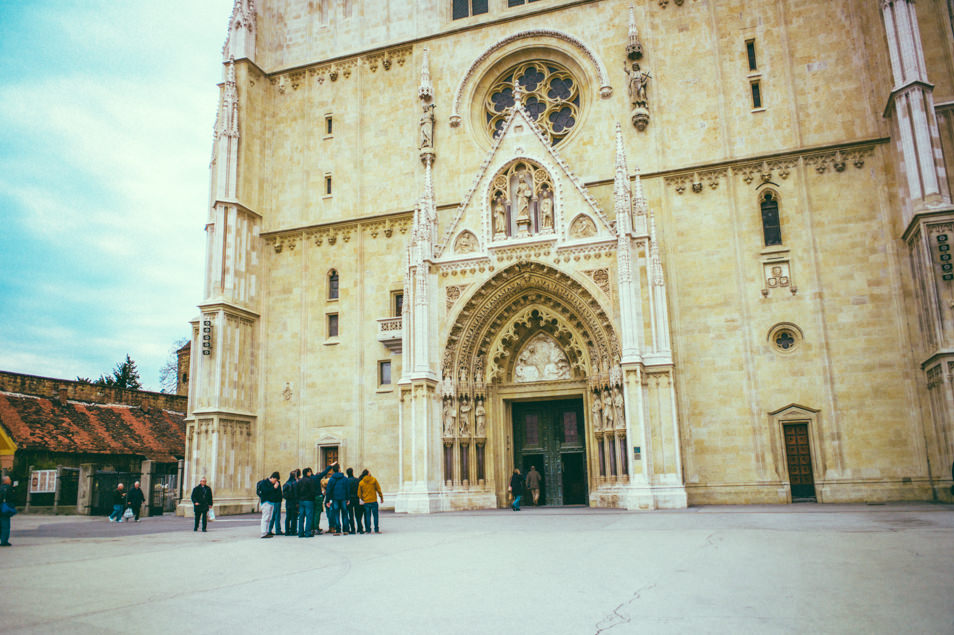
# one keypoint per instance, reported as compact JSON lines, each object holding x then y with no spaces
{"x":81,"y":391}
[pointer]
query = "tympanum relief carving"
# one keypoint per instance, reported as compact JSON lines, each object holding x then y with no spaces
{"x":542,"y":359}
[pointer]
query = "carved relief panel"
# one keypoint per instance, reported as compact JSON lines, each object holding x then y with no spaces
{"x":521,"y":201}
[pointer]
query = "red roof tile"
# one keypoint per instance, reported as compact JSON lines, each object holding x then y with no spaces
{"x":38,"y":423}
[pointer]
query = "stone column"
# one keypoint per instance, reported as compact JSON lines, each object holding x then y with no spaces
{"x":84,"y":493}
{"x":146,"y":470}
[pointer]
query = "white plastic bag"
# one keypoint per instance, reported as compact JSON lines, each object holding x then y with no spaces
{"x":128,"y":513}
{"x":211,"y":515}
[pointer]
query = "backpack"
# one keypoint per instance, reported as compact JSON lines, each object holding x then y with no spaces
{"x":289,"y":490}
{"x":260,"y":490}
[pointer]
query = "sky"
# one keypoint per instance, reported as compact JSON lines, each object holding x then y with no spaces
{"x":106,"y":115}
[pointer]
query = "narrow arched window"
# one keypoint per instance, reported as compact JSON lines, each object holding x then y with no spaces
{"x":771,"y":225}
{"x":333,"y":285}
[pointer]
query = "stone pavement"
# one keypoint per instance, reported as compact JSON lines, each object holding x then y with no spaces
{"x":753,"y":569}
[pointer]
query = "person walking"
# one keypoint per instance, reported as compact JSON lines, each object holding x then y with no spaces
{"x":290,"y":494}
{"x":369,"y":490}
{"x":352,"y":502}
{"x":516,"y":489}
{"x":336,"y":500}
{"x":266,"y":490}
{"x":7,"y":511}
{"x":135,"y":499}
{"x":201,"y":504}
{"x":119,"y":504}
{"x":533,"y":484}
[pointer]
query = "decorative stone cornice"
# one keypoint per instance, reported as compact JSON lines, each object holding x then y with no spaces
{"x":335,"y":233}
{"x":606,"y":90}
{"x":339,"y":69}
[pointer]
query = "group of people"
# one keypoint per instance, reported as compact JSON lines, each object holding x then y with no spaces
{"x":123,"y":500}
{"x":350,"y":502}
{"x":519,"y":483}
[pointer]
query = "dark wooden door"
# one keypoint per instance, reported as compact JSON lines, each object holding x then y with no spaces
{"x":798,"y":452}
{"x":550,"y":436}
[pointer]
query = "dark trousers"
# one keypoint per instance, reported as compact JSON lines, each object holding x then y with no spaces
{"x":136,"y":509}
{"x":204,"y":515}
{"x":305,"y":515}
{"x":319,"y":505}
{"x":4,"y":530}
{"x":291,"y":517}
{"x":354,"y":516}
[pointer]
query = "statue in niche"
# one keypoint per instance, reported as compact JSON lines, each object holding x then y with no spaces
{"x":465,"y":409}
{"x":427,"y":127}
{"x":480,"y":414}
{"x":546,"y":212}
{"x":597,"y":409}
{"x":500,"y":217}
{"x":608,"y":411}
{"x":541,"y":360}
{"x":618,"y":405}
{"x":524,"y":195}
{"x":582,"y":227}
{"x":636,"y":82}
{"x":449,"y":416}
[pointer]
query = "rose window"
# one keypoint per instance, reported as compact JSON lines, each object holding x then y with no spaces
{"x":551,"y":97}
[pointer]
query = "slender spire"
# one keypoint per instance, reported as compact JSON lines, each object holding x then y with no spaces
{"x":426,"y":89}
{"x":657,"y":271}
{"x":621,"y":194}
{"x":634,"y":48}
{"x":230,"y":102}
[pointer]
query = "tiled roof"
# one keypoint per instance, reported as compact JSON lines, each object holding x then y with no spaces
{"x":38,"y":423}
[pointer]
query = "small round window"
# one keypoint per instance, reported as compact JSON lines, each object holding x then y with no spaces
{"x":785,"y":338}
{"x":551,"y":97}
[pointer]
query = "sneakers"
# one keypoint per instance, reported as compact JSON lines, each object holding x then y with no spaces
{"x":268,"y":535}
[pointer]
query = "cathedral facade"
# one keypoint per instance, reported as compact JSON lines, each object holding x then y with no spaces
{"x":665,"y":252}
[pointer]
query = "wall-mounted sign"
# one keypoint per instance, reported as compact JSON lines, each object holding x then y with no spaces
{"x":636,"y":454}
{"x":206,"y":336}
{"x":43,"y":481}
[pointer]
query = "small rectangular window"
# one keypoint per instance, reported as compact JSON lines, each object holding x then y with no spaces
{"x":480,"y":6}
{"x":333,"y":285}
{"x":327,"y":185}
{"x":756,"y":95}
{"x":332,"y":325}
{"x":514,"y":3}
{"x":397,"y":303}
{"x":329,"y":125}
{"x":384,"y":373}
{"x":750,"y":51}
{"x":461,"y":9}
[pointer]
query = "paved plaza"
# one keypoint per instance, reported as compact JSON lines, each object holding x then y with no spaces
{"x":766,"y":569}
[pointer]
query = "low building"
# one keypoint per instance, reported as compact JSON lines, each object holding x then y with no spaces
{"x":68,"y":443}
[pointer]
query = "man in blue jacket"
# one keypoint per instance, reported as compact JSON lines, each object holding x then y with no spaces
{"x":336,"y":501}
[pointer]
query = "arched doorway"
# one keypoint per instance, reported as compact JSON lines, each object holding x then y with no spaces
{"x":532,"y":342}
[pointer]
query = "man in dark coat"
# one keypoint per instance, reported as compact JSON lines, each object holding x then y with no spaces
{"x":119,"y":504}
{"x":290,"y":493}
{"x":308,"y":489}
{"x":135,"y":499}
{"x":201,"y":503}
{"x":336,"y":501}
{"x":353,"y":505}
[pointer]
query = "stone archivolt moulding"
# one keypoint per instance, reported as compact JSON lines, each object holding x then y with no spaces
{"x":606,"y":90}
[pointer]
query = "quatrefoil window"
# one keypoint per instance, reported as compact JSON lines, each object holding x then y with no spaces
{"x":551,"y":96}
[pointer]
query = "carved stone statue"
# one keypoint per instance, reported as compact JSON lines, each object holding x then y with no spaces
{"x":449,"y":415}
{"x":546,"y":212}
{"x":465,"y":409}
{"x":480,"y":414}
{"x":524,"y":194}
{"x":500,"y":218}
{"x":618,"y":405}
{"x":427,"y":127}
{"x":597,"y":409}
{"x":608,"y":411}
{"x":636,"y":82}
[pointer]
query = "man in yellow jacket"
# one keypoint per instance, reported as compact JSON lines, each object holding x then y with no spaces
{"x":368,"y":493}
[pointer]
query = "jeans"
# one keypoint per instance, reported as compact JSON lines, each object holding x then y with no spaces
{"x":339,"y":514}
{"x":4,"y":530}
{"x":267,"y":510}
{"x":516,"y":502}
{"x":369,"y":509}
{"x":291,"y":517}
{"x":204,"y":515}
{"x":117,"y":514}
{"x":275,"y":525}
{"x":306,"y":514}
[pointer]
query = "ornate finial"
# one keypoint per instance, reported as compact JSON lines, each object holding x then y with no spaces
{"x":518,"y":94}
{"x":426,"y":90}
{"x":240,"y":40}
{"x":634,"y":48}
{"x":621,"y":195}
{"x":654,"y":252}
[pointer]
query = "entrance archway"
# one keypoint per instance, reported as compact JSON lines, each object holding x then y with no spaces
{"x":531,"y":335}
